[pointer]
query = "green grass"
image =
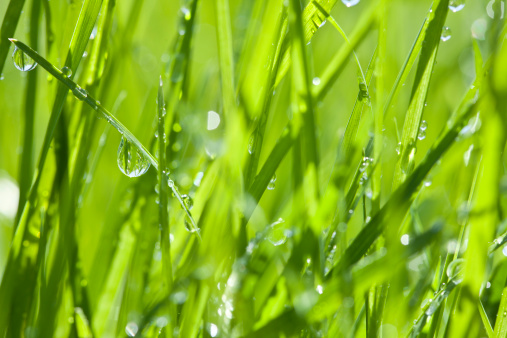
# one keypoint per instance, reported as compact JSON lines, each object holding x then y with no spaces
{"x":353,"y":186}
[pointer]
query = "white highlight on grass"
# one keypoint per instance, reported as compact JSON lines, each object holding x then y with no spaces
{"x":213,"y":120}
{"x":405,"y":239}
{"x":213,"y":330}
{"x":9,"y":196}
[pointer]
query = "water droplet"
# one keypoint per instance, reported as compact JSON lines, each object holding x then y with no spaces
{"x":85,"y":54}
{"x":405,"y":239}
{"x":424,"y":125}
{"x":407,"y":162}
{"x":131,"y":160}
{"x":316,"y":81}
{"x":350,"y":3}
{"x":22,"y":61}
{"x":276,"y":234}
{"x":422,"y":134}
{"x":456,"y":5}
{"x":80,"y":93}
{"x":504,"y":250}
{"x":186,"y":13}
{"x":455,"y":270}
{"x":213,"y":120}
{"x":188,"y":201}
{"x":189,"y":227}
{"x":488,"y":285}
{"x":2,"y":76}
{"x":398,"y":148}
{"x":320,"y":289}
{"x":131,"y":329}
{"x":251,"y":144}
{"x":446,"y":33}
{"x":271,"y":185}
{"x":67,"y":71}
{"x":490,"y":9}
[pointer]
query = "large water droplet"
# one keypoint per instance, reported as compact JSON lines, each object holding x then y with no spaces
{"x":446,"y":33}
{"x":22,"y":61}
{"x":188,"y":201}
{"x":67,"y":71}
{"x":276,"y":234}
{"x":455,"y":270}
{"x":131,"y":160}
{"x":272,"y":182}
{"x":350,"y":3}
{"x":456,"y":5}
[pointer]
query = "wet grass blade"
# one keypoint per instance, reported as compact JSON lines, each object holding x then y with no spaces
{"x":422,"y":79}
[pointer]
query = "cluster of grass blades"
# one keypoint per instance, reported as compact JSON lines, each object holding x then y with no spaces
{"x":255,"y":182}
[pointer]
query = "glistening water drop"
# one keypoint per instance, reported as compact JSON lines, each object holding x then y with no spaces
{"x":131,"y":161}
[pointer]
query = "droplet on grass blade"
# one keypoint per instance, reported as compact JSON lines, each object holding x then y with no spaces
{"x":22,"y":61}
{"x":131,"y":329}
{"x":131,"y":161}
{"x":80,"y":93}
{"x":456,"y":5}
{"x":272,"y":182}
{"x":276,"y":234}
{"x":455,"y":270}
{"x":446,"y":33}
{"x":188,"y":201}
{"x":67,"y":71}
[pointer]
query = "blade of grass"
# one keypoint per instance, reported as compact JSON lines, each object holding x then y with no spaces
{"x":8,"y":28}
{"x":26,"y":164}
{"x":413,"y":117}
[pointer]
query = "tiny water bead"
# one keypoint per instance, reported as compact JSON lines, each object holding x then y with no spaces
{"x":446,"y":33}
{"x":456,"y":5}
{"x":213,"y":120}
{"x":67,"y":71}
{"x":272,"y":182}
{"x":350,"y":3}
{"x":316,"y":81}
{"x":22,"y":61}
{"x":131,"y":161}
{"x":398,"y":148}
